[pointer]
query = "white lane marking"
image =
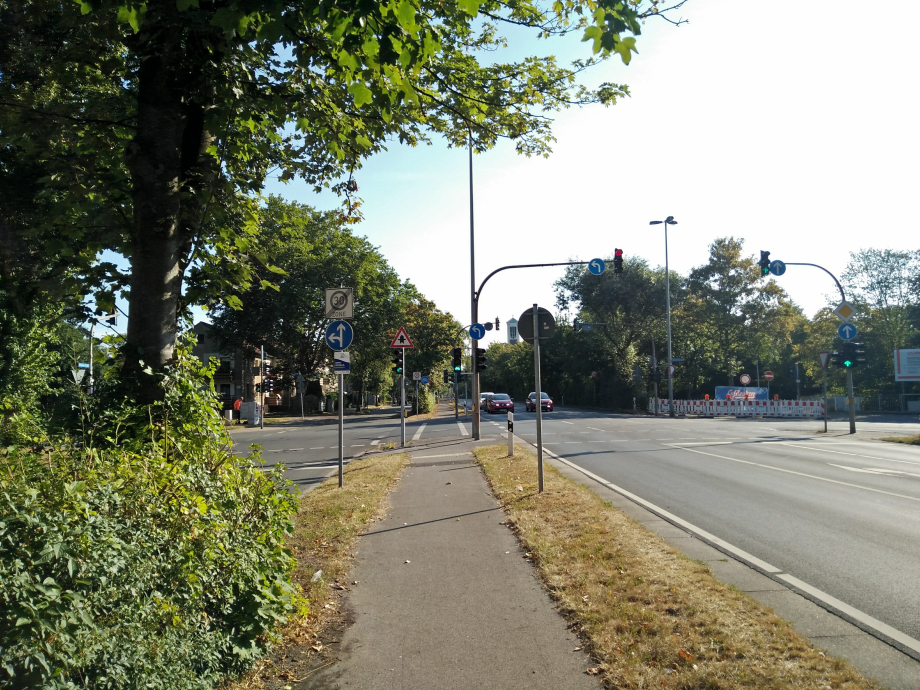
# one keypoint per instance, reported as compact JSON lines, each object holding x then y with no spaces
{"x":374,"y":443}
{"x":855,"y":455}
{"x":593,"y":429}
{"x":359,"y":445}
{"x":876,"y":470}
{"x":567,"y":442}
{"x":802,"y":474}
{"x":863,"y":618}
{"x":565,"y":422}
{"x":317,"y":447}
{"x":463,"y":429}
{"x":445,"y":455}
{"x":704,"y":443}
{"x":293,"y":449}
{"x":742,"y":554}
{"x":418,"y":434}
{"x":688,"y":438}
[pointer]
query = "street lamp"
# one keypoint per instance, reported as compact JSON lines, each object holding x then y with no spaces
{"x":667,"y":298}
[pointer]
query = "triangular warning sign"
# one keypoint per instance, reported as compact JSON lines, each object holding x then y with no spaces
{"x":401,"y":339}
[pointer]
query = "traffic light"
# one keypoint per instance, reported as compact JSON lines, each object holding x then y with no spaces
{"x":497,"y":323}
{"x":576,"y":325}
{"x":447,"y":375}
{"x":270,"y":384}
{"x":617,"y":260}
{"x":655,"y":376}
{"x":258,"y":388}
{"x":859,"y":354}
{"x":837,"y":359}
{"x":764,"y":263}
{"x":851,"y":355}
{"x":457,"y":354}
{"x":481,"y":359}
{"x":397,"y":361}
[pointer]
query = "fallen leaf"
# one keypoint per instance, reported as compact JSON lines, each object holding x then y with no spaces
{"x":686,"y":656}
{"x":317,"y":575}
{"x":449,"y":482}
{"x":577,"y":649}
{"x":593,"y":670}
{"x":354,"y":582}
{"x":519,"y":488}
{"x":318,"y":647}
{"x":337,"y":586}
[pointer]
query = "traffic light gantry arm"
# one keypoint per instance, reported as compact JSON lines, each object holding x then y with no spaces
{"x":505,"y":268}
{"x":842,"y":296}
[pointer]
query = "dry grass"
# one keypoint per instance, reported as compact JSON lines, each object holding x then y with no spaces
{"x":325,"y":532}
{"x":910,"y":440}
{"x":650,"y":617}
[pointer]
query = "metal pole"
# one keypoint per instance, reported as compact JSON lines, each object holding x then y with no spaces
{"x":655,"y":371}
{"x":416,"y":398}
{"x":667,"y":288}
{"x":758,"y":373}
{"x":341,"y":430}
{"x":92,"y":327}
{"x":456,"y":397}
{"x":852,"y":401}
{"x":301,"y":383}
{"x":798,"y":392}
{"x":262,"y":387}
{"x":825,"y":399}
{"x":402,"y":403}
{"x":474,"y":302}
{"x":538,"y":401}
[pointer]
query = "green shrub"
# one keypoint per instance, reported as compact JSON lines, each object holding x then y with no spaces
{"x":425,"y":402}
{"x":142,"y":556}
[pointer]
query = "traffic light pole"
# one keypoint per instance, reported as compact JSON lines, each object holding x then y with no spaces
{"x":341,"y":430}
{"x":402,"y":402}
{"x":852,"y":401}
{"x":456,"y":397}
{"x":538,"y":401}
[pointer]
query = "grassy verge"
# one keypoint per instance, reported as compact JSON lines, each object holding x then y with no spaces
{"x":909,"y":440}
{"x":326,"y":528}
{"x":650,"y":617}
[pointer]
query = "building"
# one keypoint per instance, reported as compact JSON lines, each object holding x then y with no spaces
{"x":512,"y":324}
{"x":236,"y":375}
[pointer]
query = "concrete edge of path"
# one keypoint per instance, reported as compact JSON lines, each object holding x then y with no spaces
{"x":846,"y":634}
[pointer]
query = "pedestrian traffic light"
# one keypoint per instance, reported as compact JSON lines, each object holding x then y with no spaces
{"x":617,"y":260}
{"x":576,"y":325}
{"x":258,"y":388}
{"x":397,"y":361}
{"x":481,"y":359}
{"x":457,"y":354}
{"x":764,"y":263}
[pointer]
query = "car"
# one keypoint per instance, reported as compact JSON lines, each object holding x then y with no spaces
{"x":546,"y":402}
{"x":484,"y":399}
{"x":499,"y":402}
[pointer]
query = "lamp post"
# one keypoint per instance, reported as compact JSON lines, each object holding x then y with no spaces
{"x":667,"y":298}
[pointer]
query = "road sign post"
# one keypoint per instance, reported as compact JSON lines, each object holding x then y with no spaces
{"x":852,"y":400}
{"x":534,"y":325}
{"x":341,"y":430}
{"x":402,"y":341}
{"x":823,"y":357}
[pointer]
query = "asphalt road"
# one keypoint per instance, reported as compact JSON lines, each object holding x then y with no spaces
{"x":836,"y":512}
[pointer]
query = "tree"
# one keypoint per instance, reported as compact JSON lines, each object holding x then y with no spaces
{"x":160,"y":120}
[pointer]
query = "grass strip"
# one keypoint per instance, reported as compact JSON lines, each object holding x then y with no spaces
{"x":649,"y":616}
{"x":325,"y":531}
{"x":909,"y":440}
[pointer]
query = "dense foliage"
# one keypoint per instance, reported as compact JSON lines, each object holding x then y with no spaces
{"x":140,"y":555}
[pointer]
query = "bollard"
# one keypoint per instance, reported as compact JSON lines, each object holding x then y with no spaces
{"x":510,"y":434}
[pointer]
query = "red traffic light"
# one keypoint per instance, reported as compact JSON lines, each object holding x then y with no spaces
{"x":618,"y":252}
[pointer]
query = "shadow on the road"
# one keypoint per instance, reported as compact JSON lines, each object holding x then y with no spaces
{"x":428,"y":522}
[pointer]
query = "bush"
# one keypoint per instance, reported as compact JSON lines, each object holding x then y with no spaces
{"x":149,"y":557}
{"x":425,"y":402}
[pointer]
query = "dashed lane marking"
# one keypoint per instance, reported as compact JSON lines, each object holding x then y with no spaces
{"x":418,"y":434}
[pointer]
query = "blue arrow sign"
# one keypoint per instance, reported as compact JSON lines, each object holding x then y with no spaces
{"x":477,"y":331}
{"x":424,"y":379}
{"x":847,"y":331}
{"x":596,"y":266}
{"x":777,"y":268}
{"x":339,"y":335}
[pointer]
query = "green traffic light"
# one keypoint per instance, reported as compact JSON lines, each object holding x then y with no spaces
{"x":847,"y":363}
{"x":457,"y":368}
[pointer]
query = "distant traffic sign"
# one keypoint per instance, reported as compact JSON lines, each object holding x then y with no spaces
{"x":847,"y":331}
{"x":745,"y":379}
{"x":401,"y":339}
{"x":768,"y":375}
{"x":477,"y":331}
{"x":596,"y":266}
{"x":339,"y":335}
{"x":824,"y":357}
{"x":777,"y":267}
{"x":340,"y":303}
{"x":671,"y":370}
{"x":425,"y":380}
{"x":416,"y":376}
{"x":845,"y":311}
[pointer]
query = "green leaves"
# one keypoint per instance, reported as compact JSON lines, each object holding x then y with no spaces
{"x":361,"y":93}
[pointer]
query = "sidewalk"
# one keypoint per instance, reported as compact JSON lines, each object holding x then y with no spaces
{"x":445,"y":597}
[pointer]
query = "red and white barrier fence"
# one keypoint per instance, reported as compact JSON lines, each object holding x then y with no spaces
{"x":743,"y":408}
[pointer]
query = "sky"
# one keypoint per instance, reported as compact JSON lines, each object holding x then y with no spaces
{"x":794,"y":130}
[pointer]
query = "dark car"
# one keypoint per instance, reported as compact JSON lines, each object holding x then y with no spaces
{"x":499,"y":402}
{"x":546,"y":402}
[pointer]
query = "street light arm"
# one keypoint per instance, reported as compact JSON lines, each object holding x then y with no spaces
{"x":505,"y":268}
{"x":842,"y":296}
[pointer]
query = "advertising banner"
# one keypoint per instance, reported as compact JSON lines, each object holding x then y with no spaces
{"x":741,"y":393}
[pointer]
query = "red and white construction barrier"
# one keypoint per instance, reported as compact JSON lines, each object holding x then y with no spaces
{"x":743,"y":408}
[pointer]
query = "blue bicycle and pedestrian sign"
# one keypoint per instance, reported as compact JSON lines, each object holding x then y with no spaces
{"x":596,"y":266}
{"x":339,"y":335}
{"x":477,"y":331}
{"x":847,"y":331}
{"x":424,"y":379}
